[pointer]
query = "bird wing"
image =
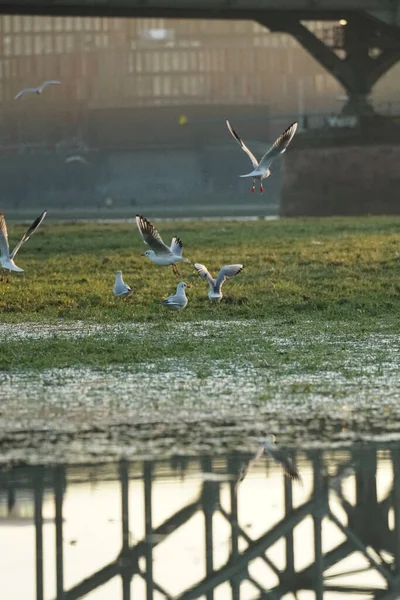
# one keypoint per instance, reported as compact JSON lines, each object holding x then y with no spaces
{"x":4,"y":248}
{"x":279,"y":146}
{"x":225,"y":272}
{"x":46,"y":83}
{"x":170,"y":300}
{"x":150,"y":236}
{"x":253,"y":159}
{"x":290,"y":469}
{"x":245,"y":468}
{"x":28,"y":234}
{"x":76,"y":158}
{"x":176,"y":246}
{"x":205,"y":274}
{"x":281,"y":457}
{"x":25,"y":91}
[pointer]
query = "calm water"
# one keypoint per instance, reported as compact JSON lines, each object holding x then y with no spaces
{"x":205,"y":528}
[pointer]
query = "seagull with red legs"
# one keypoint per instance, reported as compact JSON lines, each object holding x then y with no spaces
{"x":261,"y":169}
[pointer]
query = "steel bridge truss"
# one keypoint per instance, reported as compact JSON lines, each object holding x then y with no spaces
{"x":365,"y":529}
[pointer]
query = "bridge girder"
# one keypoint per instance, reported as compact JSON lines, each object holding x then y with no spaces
{"x":372,"y":25}
{"x":370,"y":49}
{"x":387,"y":11}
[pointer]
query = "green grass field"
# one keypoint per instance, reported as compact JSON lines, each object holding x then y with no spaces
{"x":306,"y":343}
{"x":297,"y":274}
{"x":337,"y":266}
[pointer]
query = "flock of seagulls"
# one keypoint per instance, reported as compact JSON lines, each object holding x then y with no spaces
{"x":159,"y":253}
{"x":163,"y":256}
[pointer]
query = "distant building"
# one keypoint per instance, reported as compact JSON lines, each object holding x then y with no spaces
{"x":129,"y":63}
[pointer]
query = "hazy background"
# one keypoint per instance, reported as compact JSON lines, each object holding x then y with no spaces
{"x":143,"y":104}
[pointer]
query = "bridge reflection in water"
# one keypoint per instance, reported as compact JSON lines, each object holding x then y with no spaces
{"x":186,"y":528}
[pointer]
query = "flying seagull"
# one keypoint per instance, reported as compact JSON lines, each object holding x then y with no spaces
{"x":261,"y":169}
{"x":121,"y":289}
{"x":76,"y":158}
{"x":271,"y":448}
{"x":36,"y":90}
{"x":7,"y":258}
{"x":268,"y":446}
{"x":160,"y":254}
{"x":179,"y":300}
{"x":215,"y":292}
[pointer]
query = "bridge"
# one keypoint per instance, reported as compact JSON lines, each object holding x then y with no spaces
{"x":366,"y":522}
{"x":364,"y":45}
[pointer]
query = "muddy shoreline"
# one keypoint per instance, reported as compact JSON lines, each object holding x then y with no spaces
{"x":74,"y":443}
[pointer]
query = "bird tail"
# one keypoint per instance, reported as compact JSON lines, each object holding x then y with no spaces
{"x":255,"y":173}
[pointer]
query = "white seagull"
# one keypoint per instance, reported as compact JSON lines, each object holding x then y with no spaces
{"x":215,"y":292}
{"x":7,"y":258}
{"x":36,"y":90}
{"x":270,"y":448}
{"x":121,"y":289}
{"x":179,"y":300}
{"x":160,"y":254}
{"x":76,"y":158}
{"x":261,"y":169}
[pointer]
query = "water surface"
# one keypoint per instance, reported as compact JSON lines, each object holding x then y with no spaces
{"x":205,"y":527}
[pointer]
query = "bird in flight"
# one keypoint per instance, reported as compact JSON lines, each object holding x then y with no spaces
{"x":261,"y":169}
{"x":76,"y":158}
{"x":7,"y":258}
{"x":159,"y":253}
{"x":268,"y":446}
{"x":271,"y":448}
{"x":215,"y":292}
{"x":36,"y":90}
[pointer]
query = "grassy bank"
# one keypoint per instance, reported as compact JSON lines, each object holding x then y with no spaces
{"x":339,"y":267}
{"x":298,"y":275}
{"x":306,"y":344}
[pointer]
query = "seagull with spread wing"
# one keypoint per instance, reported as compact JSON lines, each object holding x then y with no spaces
{"x":7,"y":258}
{"x":215,"y":292}
{"x":280,"y":456}
{"x":268,"y":446}
{"x":261,"y":169}
{"x":159,"y":252}
{"x":36,"y":90}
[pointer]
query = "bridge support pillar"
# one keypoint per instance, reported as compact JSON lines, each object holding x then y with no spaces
{"x":357,"y":54}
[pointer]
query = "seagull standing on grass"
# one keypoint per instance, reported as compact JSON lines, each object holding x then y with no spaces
{"x":261,"y":169}
{"x":36,"y":90}
{"x":215,"y":292}
{"x":179,"y":300}
{"x":7,"y":258}
{"x":121,"y":289}
{"x":160,"y":254}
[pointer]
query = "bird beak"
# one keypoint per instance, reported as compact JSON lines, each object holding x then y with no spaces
{"x":188,"y":286}
{"x":142,"y":254}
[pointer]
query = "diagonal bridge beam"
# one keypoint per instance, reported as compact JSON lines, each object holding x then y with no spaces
{"x":369,"y":48}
